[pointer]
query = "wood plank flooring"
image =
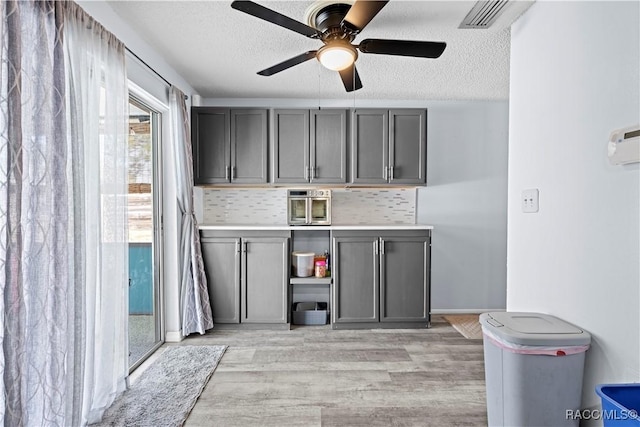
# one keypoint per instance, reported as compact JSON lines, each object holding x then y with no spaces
{"x":315,"y":376}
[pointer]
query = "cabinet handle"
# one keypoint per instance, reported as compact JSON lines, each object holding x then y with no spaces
{"x":227,"y":170}
{"x":382,"y":246}
{"x":313,"y":172}
{"x":390,"y":173}
{"x":244,"y":247}
{"x":375,"y":247}
{"x":306,"y":173}
{"x":385,"y":172}
{"x":237,"y":246}
{"x":233,"y":173}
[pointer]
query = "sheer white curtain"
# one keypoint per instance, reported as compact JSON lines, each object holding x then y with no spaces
{"x":194,"y":295}
{"x":63,"y":242}
{"x":98,"y":104}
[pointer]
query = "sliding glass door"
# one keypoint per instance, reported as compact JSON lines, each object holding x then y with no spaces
{"x":145,"y":317}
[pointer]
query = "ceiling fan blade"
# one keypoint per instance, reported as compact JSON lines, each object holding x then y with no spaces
{"x":350,"y":78}
{"x":274,"y":17}
{"x":361,"y":13}
{"x":288,"y":63}
{"x":403,"y":48}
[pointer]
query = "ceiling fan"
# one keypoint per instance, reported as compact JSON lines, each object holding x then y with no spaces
{"x":337,"y":25}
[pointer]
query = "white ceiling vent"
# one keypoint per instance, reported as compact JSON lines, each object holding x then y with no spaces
{"x":484,"y":13}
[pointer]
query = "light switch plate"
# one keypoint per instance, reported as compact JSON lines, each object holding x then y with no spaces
{"x":530,"y":199}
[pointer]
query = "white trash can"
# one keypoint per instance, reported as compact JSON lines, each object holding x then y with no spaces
{"x":534,"y":365}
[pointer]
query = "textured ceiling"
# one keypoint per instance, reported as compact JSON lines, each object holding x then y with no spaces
{"x":218,"y":50}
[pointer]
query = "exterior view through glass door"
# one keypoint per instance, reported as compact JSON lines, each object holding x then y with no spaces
{"x":144,"y":276}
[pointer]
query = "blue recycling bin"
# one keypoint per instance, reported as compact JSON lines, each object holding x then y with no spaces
{"x":620,"y":404}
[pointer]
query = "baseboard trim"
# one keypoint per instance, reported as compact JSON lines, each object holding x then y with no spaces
{"x":464,"y":310}
{"x":173,"y":336}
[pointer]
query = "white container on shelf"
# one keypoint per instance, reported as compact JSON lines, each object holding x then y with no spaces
{"x":302,"y":263}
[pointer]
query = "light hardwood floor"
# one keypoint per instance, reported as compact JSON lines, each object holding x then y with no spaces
{"x":315,"y":376}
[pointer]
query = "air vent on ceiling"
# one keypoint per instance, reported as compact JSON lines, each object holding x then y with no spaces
{"x":484,"y":13}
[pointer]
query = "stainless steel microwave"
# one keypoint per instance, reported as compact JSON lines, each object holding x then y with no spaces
{"x":309,"y":207}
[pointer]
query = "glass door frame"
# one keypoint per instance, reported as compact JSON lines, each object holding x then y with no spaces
{"x":142,"y":99}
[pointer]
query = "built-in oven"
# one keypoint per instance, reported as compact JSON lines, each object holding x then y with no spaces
{"x":309,"y":207}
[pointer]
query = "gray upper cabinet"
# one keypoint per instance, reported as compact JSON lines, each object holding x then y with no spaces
{"x":229,"y":145}
{"x":290,"y":146}
{"x":309,"y":146}
{"x":210,"y":144}
{"x":407,"y":146}
{"x":389,"y":146}
{"x":328,"y":146}
{"x":369,"y":146}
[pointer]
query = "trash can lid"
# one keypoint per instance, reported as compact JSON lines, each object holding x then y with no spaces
{"x":533,"y":329}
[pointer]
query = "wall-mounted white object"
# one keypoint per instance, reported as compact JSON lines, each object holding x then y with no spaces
{"x":624,"y":146}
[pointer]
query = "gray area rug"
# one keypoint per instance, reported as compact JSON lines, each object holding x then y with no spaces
{"x":167,"y":390}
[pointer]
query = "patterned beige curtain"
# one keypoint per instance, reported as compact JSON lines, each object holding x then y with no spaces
{"x":194,"y":295}
{"x":63,"y":242}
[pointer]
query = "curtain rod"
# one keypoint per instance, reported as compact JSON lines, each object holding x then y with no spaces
{"x":150,"y":68}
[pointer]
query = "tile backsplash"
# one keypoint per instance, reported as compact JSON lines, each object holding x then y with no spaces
{"x":268,"y":206}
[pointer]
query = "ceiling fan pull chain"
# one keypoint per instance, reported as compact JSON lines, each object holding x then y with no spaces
{"x":355,"y":88}
{"x":319,"y":65}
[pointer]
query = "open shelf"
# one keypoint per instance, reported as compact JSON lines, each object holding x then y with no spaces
{"x":310,"y":280}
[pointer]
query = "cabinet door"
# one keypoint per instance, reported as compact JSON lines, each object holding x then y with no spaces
{"x":210,"y":145}
{"x":328,"y":146}
{"x":264,"y":280}
{"x":356,"y":279}
{"x":369,"y":146}
{"x":221,"y":258}
{"x":290,"y":147}
{"x":408,"y":146}
{"x":249,"y":146}
{"x":404,"y":283}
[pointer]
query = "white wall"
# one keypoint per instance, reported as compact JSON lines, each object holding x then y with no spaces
{"x":574,"y":78}
{"x":103,"y":13}
{"x":465,"y":197}
{"x":156,"y":87}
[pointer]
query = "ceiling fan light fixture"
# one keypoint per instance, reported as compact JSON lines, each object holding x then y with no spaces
{"x":337,"y":55}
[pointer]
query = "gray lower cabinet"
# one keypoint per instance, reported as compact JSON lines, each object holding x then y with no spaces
{"x":381,"y":277}
{"x":265,"y":277}
{"x":229,"y":145}
{"x":356,"y":276}
{"x":389,"y":146}
{"x":404,"y":278}
{"x":309,"y":146}
{"x":221,"y":257}
{"x":247,"y":276}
